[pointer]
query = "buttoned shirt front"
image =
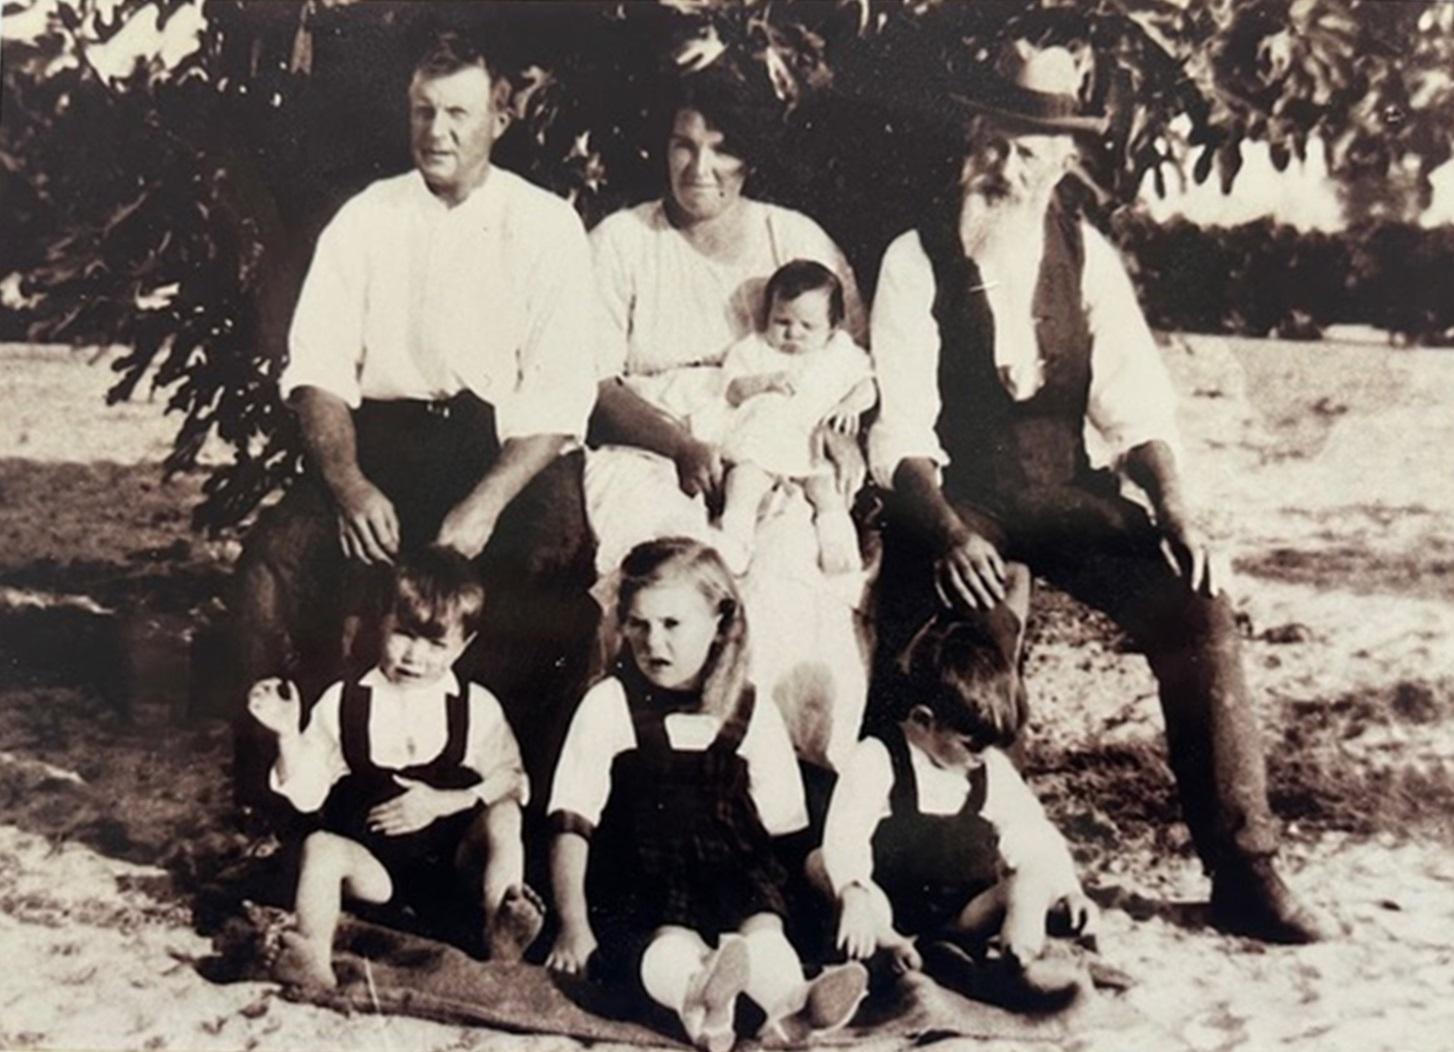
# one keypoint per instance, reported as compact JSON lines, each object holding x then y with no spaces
{"x":409,"y":298}
{"x":1131,"y":400}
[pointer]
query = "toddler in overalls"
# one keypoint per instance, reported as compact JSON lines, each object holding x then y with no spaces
{"x":672,"y":783}
{"x":416,"y":777}
{"x":934,"y":848}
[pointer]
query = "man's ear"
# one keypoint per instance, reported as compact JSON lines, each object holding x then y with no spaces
{"x":921,"y":716}
{"x":501,"y":95}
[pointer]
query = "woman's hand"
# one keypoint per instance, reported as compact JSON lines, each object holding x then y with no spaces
{"x":700,"y":470}
{"x":275,"y":703}
{"x":572,"y":950}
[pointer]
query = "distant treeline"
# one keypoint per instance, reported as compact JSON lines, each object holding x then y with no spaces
{"x":1269,"y":279}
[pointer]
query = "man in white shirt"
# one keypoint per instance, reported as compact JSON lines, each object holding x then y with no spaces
{"x":439,"y":365}
{"x":1001,"y":327}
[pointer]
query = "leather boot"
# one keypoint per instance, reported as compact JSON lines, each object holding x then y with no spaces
{"x":1249,"y":898}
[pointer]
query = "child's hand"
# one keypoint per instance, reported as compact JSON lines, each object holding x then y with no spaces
{"x":857,"y":926}
{"x":572,"y":950}
{"x":411,"y":810}
{"x":275,"y":703}
{"x":1081,"y":915}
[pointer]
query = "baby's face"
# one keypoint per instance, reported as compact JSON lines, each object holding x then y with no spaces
{"x":800,"y":324}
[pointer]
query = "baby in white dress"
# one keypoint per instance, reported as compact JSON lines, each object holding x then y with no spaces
{"x":801,"y":371}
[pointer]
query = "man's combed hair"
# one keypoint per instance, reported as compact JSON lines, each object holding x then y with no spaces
{"x":955,"y":668}
{"x":798,"y":276}
{"x":449,"y":52}
{"x":436,"y":589}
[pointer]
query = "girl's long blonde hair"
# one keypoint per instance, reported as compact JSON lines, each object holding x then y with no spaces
{"x":677,"y":559}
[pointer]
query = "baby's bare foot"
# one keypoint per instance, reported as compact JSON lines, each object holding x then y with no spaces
{"x":515,"y":924}
{"x":301,"y":964}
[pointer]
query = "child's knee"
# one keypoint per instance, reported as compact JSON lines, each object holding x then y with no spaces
{"x":325,"y":852}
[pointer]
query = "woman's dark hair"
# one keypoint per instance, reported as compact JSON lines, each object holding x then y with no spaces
{"x":748,"y":115}
{"x":798,"y":276}
{"x":957,"y":669}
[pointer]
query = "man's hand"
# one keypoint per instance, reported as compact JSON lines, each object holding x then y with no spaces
{"x":275,"y":703}
{"x":1187,"y":550}
{"x":466,"y":529}
{"x":572,"y":950}
{"x":368,"y":527}
{"x":857,"y":926}
{"x":842,"y":451}
{"x":699,"y":469}
{"x":970,"y":571}
{"x":410,"y":811}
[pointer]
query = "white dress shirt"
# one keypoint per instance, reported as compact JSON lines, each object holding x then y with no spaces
{"x":408,"y":298}
{"x":1028,"y":842}
{"x":1131,"y":399}
{"x":407,"y":726}
{"x":601,"y":729}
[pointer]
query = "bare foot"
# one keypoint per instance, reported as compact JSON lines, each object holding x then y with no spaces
{"x":516,"y":923}
{"x":901,"y":954}
{"x":711,"y":1000}
{"x":301,"y":964}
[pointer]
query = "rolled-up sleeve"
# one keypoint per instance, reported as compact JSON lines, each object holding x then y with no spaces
{"x":326,"y":338}
{"x":1131,"y":398}
{"x":600,"y":729}
{"x":555,"y":389}
{"x":904,"y":343}
{"x":860,"y":799}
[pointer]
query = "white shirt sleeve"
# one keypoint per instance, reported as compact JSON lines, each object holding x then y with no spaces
{"x":493,"y":752}
{"x":615,"y":296}
{"x":860,"y":800}
{"x":1131,"y":397}
{"x":326,"y":339}
{"x":774,"y":780}
{"x":318,"y":761}
{"x":1028,"y":840}
{"x":600,"y":729}
{"x":905,"y":347}
{"x":555,"y":389}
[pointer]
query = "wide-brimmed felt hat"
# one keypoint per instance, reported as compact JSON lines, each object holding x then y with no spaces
{"x":1035,"y":89}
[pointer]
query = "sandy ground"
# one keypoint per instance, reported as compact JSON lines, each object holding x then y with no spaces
{"x":1325,"y":473}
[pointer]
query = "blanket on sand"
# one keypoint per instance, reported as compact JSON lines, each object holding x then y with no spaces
{"x":383,"y":970}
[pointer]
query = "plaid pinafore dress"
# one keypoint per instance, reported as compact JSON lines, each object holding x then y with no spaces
{"x":680,"y":841}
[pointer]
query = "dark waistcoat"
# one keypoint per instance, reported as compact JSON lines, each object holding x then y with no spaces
{"x":998,"y":447}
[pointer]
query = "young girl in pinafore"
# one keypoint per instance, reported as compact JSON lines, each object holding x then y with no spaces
{"x":672,"y":782}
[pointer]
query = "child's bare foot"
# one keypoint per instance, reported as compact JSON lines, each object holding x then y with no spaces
{"x":711,"y":999}
{"x":901,"y":955}
{"x":837,"y":542}
{"x":515,"y":924}
{"x":829,"y":1002}
{"x":303,"y":965}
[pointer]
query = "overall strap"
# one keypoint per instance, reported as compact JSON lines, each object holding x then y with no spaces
{"x":648,"y":721}
{"x":734,"y":727}
{"x":457,"y":728}
{"x":978,"y":790}
{"x":353,"y":726}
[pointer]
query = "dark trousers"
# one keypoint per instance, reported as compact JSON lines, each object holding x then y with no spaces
{"x":296,"y":599}
{"x":1103,"y":550}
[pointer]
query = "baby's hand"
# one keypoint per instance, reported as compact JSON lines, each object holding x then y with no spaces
{"x":779,"y":382}
{"x":857,"y":926}
{"x":275,"y":703}
{"x":572,"y":950}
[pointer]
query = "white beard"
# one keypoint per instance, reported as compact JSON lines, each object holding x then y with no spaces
{"x":1005,"y":237}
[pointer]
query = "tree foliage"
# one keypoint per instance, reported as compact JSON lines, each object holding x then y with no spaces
{"x":173,"y":210}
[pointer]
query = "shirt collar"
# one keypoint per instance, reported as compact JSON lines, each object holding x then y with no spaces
{"x":483,"y":204}
{"x":375,"y":679}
